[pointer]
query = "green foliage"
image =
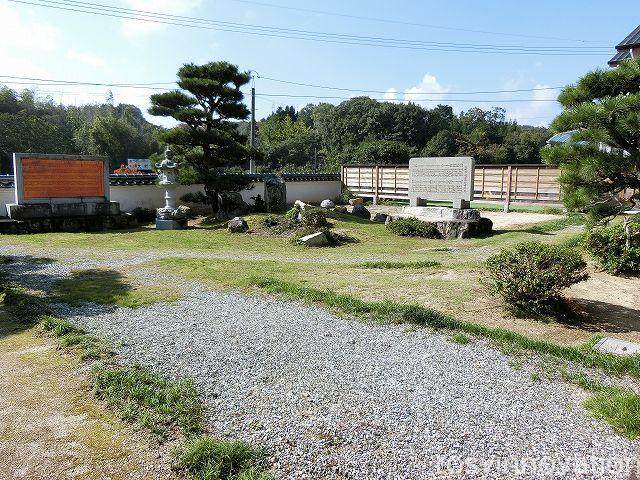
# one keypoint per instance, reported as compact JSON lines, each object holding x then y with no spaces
{"x":618,"y":407}
{"x":208,"y":140}
{"x":399,"y":265}
{"x":531,"y":276}
{"x":412,"y":227}
{"x":362,"y":130}
{"x":461,"y":339}
{"x":608,"y":246}
{"x":75,"y":339}
{"x":314,"y":219}
{"x":602,"y":108}
{"x":204,"y":458}
{"x":157,"y":403}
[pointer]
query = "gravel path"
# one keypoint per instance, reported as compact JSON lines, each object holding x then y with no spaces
{"x":340,"y":399}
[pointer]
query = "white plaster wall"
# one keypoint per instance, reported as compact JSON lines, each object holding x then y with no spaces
{"x":313,"y":192}
{"x":7,"y":195}
{"x":152,"y":196}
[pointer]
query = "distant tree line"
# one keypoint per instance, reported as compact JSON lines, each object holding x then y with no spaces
{"x":32,"y":124}
{"x":315,"y":138}
{"x":362,"y":130}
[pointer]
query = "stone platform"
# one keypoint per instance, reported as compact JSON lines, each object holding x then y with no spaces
{"x":65,"y":217}
{"x":450,"y":222}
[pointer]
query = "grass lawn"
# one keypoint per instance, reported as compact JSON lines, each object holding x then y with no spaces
{"x":445,"y":275}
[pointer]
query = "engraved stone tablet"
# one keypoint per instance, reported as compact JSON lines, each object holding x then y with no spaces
{"x":448,"y":179}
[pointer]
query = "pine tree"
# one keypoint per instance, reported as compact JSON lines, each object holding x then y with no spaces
{"x":208,"y":102}
{"x":602,"y":158}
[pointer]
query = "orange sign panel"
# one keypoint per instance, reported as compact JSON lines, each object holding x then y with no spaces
{"x":46,"y":178}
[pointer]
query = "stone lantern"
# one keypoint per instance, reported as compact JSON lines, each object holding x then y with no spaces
{"x":169,"y":217}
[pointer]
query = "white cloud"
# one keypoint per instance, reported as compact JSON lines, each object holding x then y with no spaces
{"x":391,"y":94}
{"x":538,"y":112}
{"x":133,"y":28}
{"x":21,"y":34}
{"x":428,"y":89}
{"x":85,"y":58}
{"x":23,"y":41}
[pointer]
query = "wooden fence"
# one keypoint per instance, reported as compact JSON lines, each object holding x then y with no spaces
{"x":498,"y":183}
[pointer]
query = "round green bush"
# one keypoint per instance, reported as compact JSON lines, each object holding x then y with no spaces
{"x":530,"y":276}
{"x":412,"y":227}
{"x":608,"y":246}
{"x":314,"y":218}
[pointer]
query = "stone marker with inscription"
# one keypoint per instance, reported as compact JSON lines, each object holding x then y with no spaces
{"x":445,"y":179}
{"x":61,"y":192}
{"x":448,"y":179}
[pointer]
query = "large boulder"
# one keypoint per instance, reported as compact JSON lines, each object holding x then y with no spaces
{"x":237,"y":225}
{"x":318,"y":239}
{"x":327,"y":204}
{"x":380,"y":217}
{"x":361,"y":211}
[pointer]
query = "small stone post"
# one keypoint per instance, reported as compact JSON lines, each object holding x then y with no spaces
{"x":169,"y":217}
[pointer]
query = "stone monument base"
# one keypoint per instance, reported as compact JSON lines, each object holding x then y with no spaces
{"x":61,"y":210}
{"x":450,"y":222}
{"x":171,"y":224}
{"x":65,"y":217}
{"x":68,"y":224}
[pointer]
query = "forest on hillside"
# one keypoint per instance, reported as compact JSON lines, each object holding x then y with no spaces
{"x":315,"y":138}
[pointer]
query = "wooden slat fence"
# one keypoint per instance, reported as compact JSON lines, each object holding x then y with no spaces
{"x":500,"y":183}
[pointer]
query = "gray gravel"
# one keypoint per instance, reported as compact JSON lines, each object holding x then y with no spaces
{"x":336,"y":398}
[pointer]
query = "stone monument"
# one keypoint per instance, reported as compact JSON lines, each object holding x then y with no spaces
{"x":61,"y":193}
{"x":169,"y":217}
{"x":448,"y":179}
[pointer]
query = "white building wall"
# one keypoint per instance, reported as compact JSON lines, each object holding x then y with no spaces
{"x":152,"y":196}
{"x":313,"y":192}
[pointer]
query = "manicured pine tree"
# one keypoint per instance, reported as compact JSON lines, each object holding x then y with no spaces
{"x":602,"y":159}
{"x":208,"y":138}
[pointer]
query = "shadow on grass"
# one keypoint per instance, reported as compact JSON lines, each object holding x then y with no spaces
{"x":597,"y":316}
{"x":19,"y":307}
{"x":107,"y":287}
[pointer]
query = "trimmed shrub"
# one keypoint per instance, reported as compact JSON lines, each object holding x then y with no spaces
{"x":314,"y":219}
{"x":412,"y":227}
{"x":608,"y":246}
{"x":531,"y":275}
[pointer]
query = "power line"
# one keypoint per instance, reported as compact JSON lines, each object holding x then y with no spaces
{"x":416,"y":24}
{"x":149,"y":86}
{"x":278,"y":32}
{"x":425,"y":93}
{"x":467,"y":100}
{"x":47,"y":82}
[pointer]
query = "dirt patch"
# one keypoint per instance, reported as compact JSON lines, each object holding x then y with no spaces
{"x":51,"y":427}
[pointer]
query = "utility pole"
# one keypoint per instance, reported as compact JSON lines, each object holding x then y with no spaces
{"x":252,"y":137}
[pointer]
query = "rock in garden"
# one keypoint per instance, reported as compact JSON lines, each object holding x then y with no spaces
{"x":237,"y":225}
{"x":318,"y":239}
{"x":388,"y":220}
{"x":300,"y":205}
{"x":327,"y":204}
{"x":380,"y":217}
{"x":340,"y":209}
{"x":356,"y":201}
{"x":361,"y":211}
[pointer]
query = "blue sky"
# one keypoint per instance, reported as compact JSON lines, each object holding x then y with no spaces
{"x":44,"y":43}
